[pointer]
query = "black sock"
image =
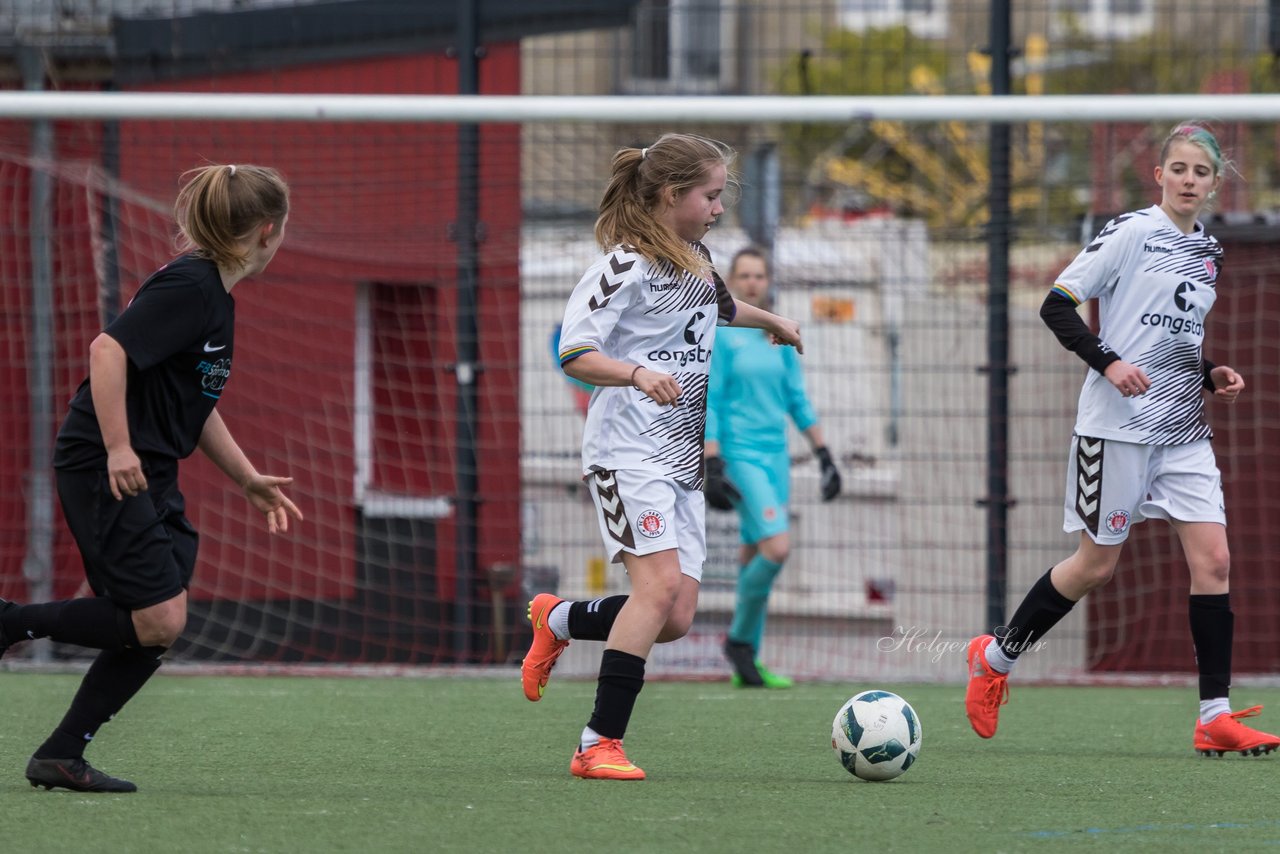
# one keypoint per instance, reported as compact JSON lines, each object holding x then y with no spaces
{"x":1040,"y":611}
{"x":113,"y":678}
{"x":1212,"y":631}
{"x":95,"y":623}
{"x":591,"y":619}
{"x":621,"y":678}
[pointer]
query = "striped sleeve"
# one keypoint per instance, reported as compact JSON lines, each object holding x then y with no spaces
{"x":1063,"y":290}
{"x":573,"y":353}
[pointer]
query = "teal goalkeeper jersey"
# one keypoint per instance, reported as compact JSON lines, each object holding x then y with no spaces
{"x":755,"y":386}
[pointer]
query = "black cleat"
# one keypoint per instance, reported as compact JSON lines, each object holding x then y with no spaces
{"x":74,"y":774}
{"x":743,"y":659}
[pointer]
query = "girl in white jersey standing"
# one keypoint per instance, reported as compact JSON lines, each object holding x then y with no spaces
{"x":1141,"y":447}
{"x":640,"y":327}
{"x":155,"y":376}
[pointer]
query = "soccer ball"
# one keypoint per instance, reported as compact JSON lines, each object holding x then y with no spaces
{"x":876,"y":735}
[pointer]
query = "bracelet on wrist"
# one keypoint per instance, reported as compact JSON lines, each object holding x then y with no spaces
{"x":633,"y":376}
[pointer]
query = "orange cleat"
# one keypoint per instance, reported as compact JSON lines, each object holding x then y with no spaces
{"x":535,"y":670}
{"x":1225,"y":733}
{"x":604,"y":761}
{"x":987,"y":691}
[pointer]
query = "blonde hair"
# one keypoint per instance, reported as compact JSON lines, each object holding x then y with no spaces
{"x":638,"y":178}
{"x":1199,"y":135}
{"x":220,"y":205}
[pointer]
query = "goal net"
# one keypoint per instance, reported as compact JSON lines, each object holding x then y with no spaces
{"x":442,"y":489}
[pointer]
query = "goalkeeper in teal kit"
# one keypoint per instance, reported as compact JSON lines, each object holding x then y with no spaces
{"x":755,"y":387}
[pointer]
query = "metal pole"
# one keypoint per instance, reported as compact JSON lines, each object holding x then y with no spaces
{"x":37,"y":563}
{"x":109,"y":283}
{"x":1000,"y":221}
{"x":466,"y":540}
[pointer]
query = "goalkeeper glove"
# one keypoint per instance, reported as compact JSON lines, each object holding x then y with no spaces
{"x":830,"y":475}
{"x":720,"y":491}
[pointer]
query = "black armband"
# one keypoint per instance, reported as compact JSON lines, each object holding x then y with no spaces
{"x":1060,"y":315}
{"x":1207,"y":382}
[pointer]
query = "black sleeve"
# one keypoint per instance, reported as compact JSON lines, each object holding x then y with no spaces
{"x":1060,"y":315}
{"x":165,"y":316}
{"x":1208,"y":376}
{"x":727,"y":308}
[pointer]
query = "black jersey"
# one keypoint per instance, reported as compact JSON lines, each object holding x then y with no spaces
{"x":178,"y":332}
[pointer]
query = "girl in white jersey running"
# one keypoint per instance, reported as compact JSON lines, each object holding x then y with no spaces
{"x":639,"y":327}
{"x":1141,"y":446}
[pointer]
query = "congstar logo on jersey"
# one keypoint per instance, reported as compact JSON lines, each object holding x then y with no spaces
{"x":1177,"y":325}
{"x":681,"y":357}
{"x":692,"y":335}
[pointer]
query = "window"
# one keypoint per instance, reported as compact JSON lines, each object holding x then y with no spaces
{"x":925,"y":18}
{"x":681,"y":46}
{"x":1102,"y":19}
{"x":402,"y":418}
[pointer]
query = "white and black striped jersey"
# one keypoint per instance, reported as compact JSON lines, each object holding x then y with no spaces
{"x":1154,"y":286}
{"x":661,"y":317}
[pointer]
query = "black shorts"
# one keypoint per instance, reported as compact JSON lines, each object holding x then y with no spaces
{"x":139,"y":551}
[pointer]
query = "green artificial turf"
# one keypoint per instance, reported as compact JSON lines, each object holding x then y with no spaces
{"x":303,"y":764}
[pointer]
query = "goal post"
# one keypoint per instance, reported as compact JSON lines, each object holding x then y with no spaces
{"x":347,"y":371}
{"x":541,"y":109}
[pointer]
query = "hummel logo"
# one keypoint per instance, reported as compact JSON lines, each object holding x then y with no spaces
{"x":607,"y":289}
{"x":609,"y":500}
{"x":611,"y":506}
{"x":209,"y":348}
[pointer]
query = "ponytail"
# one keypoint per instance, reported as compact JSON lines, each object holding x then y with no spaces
{"x":219,"y":206}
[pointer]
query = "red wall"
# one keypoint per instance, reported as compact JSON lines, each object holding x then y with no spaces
{"x":371,"y":204}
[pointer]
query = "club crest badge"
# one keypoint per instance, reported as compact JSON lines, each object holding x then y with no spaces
{"x":651,"y":524}
{"x":1118,"y":521}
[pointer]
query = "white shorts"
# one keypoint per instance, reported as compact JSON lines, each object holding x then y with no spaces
{"x":1112,"y":485}
{"x":641,"y":513}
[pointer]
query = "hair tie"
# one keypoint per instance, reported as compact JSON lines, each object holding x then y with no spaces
{"x":644,"y":152}
{"x":232,"y":167}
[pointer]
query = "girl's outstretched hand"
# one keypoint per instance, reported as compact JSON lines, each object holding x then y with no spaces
{"x":266,"y":496}
{"x":786,"y":331}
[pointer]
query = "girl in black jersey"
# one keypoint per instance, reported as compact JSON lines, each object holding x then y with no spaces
{"x":1141,"y":448}
{"x":640,"y":327}
{"x":155,"y":375}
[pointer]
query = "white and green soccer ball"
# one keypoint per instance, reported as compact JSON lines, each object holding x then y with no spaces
{"x":876,"y":735}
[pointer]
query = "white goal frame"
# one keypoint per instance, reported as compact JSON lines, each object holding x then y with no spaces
{"x":633,"y":110}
